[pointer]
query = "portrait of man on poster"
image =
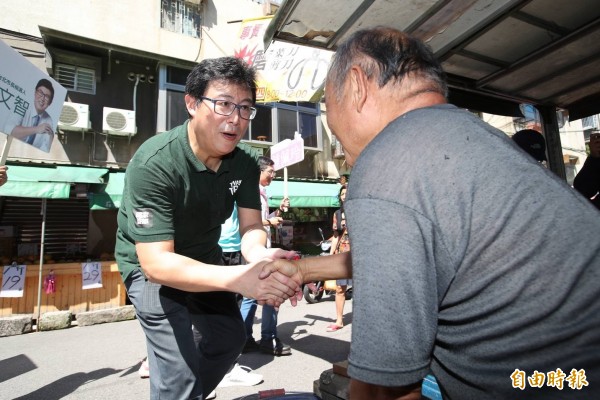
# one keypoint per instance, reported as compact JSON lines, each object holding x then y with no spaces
{"x":35,"y":125}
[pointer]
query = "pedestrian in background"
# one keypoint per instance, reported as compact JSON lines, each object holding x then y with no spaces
{"x":587,"y":181}
{"x":532,"y":142}
{"x":269,"y":341}
{"x":340,"y":243}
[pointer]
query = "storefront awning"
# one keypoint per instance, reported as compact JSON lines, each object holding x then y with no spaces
{"x":48,"y":190}
{"x":48,"y":182}
{"x":305,"y":194}
{"x":505,"y":51}
{"x":302,"y":194}
{"x":108,"y":197}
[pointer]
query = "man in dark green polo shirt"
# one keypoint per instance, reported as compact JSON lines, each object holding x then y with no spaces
{"x":180,"y":186}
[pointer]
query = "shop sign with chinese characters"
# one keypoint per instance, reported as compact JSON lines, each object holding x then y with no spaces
{"x":285,"y":71}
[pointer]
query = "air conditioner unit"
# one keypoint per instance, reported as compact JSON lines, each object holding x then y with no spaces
{"x":118,"y":122}
{"x":74,"y":117}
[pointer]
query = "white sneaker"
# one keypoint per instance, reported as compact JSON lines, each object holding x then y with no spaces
{"x":240,"y":375}
{"x":144,"y":370}
{"x":211,"y":395}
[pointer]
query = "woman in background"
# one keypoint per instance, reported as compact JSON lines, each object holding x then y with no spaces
{"x":340,"y":243}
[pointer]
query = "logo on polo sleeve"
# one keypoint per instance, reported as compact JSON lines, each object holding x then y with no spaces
{"x":234,"y":185}
{"x":143,"y":218}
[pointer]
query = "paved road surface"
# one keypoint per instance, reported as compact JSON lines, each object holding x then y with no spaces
{"x":101,"y":361}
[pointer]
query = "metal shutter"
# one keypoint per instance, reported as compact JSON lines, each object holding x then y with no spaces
{"x":66,"y":226}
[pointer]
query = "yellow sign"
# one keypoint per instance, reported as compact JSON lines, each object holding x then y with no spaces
{"x":285,"y":71}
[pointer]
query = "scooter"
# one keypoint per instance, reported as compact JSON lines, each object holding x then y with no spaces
{"x":314,"y":291}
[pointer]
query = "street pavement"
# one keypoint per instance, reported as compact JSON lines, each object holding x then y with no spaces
{"x":101,"y":361}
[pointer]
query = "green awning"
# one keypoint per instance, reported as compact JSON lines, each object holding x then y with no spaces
{"x":305,"y":194}
{"x":108,"y":197}
{"x":48,"y":182}
{"x":302,"y":194}
{"x":48,"y":190}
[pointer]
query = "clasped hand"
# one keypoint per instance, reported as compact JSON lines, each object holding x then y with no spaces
{"x":286,"y":273}
{"x":272,"y":288}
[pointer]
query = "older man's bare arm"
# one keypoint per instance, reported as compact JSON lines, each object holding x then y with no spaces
{"x":338,"y":266}
{"x":363,"y":390}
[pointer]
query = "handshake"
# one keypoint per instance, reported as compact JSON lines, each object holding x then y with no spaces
{"x":274,"y":280}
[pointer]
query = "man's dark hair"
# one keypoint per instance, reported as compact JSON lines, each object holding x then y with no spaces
{"x":48,"y":85}
{"x":344,"y":187}
{"x":224,"y":69}
{"x":264,"y":162}
{"x":387,"y":55}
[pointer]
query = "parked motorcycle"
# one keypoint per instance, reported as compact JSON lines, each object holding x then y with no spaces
{"x":314,"y":291}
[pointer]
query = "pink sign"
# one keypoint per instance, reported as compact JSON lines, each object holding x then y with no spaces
{"x":288,"y":152}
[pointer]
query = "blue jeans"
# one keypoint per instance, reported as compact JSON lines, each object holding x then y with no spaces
{"x":268,"y":323}
{"x":186,"y":363}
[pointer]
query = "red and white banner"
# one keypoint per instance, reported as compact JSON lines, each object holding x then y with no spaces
{"x":286,"y":72}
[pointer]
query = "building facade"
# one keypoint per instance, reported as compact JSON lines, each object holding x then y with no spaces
{"x":124,"y":65}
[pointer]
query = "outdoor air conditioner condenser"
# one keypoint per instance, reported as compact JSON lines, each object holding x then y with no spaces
{"x":118,"y":122}
{"x":74,"y":117}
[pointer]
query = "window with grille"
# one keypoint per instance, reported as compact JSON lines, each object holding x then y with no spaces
{"x":180,"y":16}
{"x":76,"y":79}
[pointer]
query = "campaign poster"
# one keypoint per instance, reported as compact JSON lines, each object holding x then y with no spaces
{"x":30,"y":104}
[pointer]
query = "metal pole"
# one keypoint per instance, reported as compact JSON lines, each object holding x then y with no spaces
{"x":39,"y":296}
{"x":5,"y":149}
{"x":556,"y":163}
{"x":285,"y":186}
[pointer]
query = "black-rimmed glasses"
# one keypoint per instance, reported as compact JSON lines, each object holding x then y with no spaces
{"x":43,"y":95}
{"x":226,"y":107}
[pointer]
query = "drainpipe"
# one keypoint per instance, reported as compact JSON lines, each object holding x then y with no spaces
{"x":137,"y":80}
